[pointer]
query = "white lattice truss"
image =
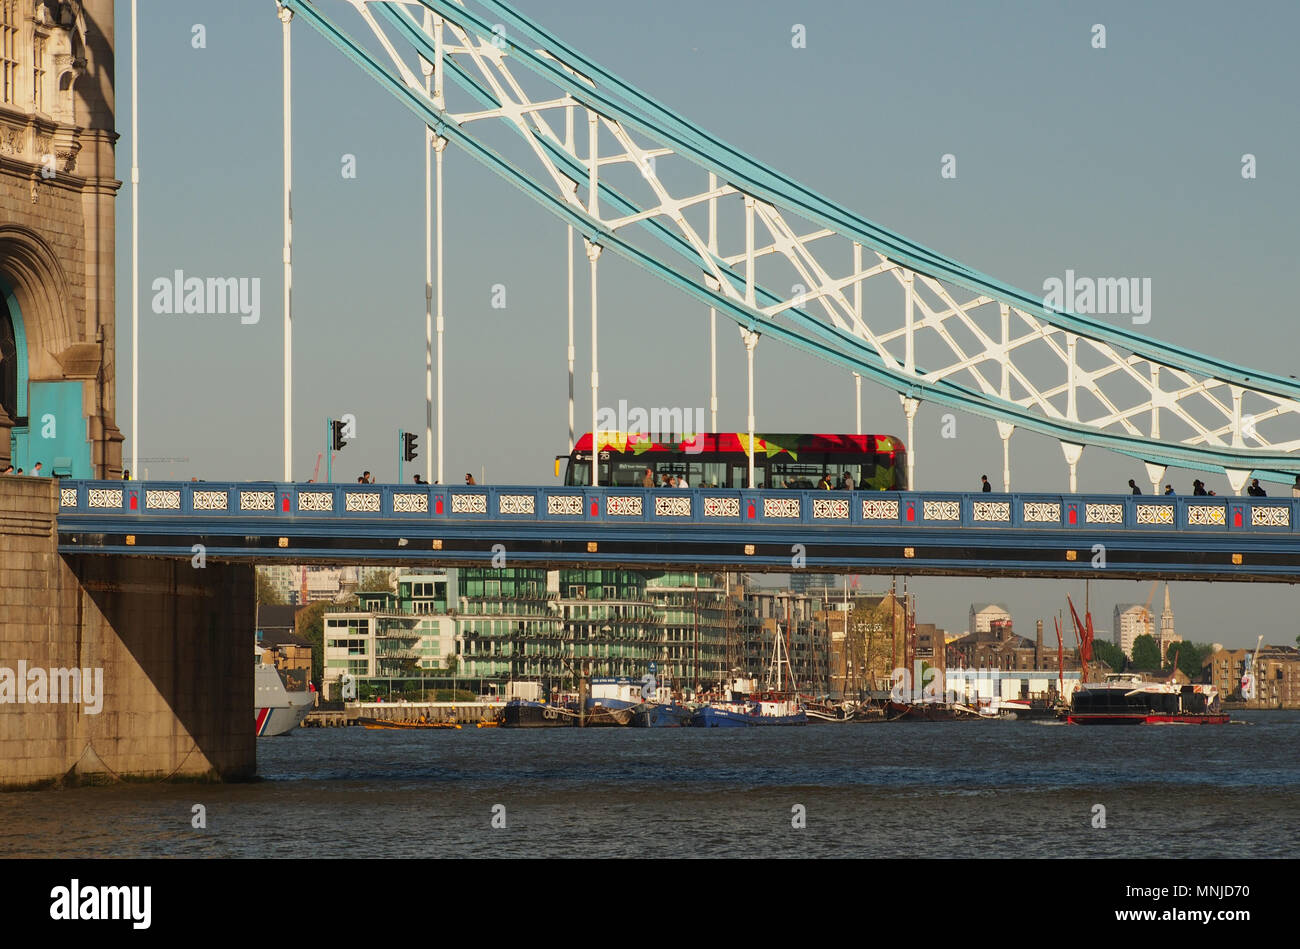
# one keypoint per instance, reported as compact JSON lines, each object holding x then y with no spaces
{"x":992,"y":350}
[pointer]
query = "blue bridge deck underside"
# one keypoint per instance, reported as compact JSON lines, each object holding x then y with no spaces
{"x":1125,"y":536}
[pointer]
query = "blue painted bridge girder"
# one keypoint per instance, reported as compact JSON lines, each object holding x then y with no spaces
{"x":939,"y":533}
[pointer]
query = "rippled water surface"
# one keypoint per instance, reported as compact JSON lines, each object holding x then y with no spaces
{"x":958,"y":789}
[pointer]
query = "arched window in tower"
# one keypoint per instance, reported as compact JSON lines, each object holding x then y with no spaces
{"x":8,"y":362}
{"x":9,"y":52}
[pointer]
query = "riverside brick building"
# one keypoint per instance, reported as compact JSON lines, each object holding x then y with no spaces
{"x":1278,"y":669}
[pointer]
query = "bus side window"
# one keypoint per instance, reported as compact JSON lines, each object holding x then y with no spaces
{"x":715,"y":475}
{"x":869,"y":474}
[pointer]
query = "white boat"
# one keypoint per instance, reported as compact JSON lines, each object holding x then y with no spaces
{"x":276,"y":710}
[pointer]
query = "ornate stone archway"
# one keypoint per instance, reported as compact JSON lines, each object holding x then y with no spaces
{"x":29,"y":266}
{"x":35,"y":293}
{"x":57,"y":192}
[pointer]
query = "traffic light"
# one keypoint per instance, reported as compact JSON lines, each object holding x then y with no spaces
{"x":408,"y":446}
{"x":336,"y":427}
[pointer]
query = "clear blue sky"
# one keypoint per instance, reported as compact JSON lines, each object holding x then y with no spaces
{"x":1123,"y":161}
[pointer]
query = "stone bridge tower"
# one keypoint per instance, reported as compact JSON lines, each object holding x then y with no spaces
{"x":57,"y":191}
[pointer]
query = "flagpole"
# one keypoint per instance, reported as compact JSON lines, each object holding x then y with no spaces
{"x":135,"y":252}
{"x":286,"y":16}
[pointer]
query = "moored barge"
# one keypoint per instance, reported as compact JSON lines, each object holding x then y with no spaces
{"x":524,"y":713}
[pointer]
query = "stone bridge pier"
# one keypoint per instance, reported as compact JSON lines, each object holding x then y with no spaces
{"x":163,"y":687}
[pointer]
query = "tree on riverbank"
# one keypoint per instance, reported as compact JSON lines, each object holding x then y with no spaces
{"x":265,"y":590}
{"x":1110,"y":654}
{"x":309,"y":623}
{"x":1146,"y":654}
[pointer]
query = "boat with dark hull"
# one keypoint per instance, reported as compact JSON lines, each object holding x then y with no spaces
{"x":1022,"y":710}
{"x":600,"y":716}
{"x":929,"y":712}
{"x":1124,"y":699}
{"x":824,"y":713}
{"x":524,"y":713}
{"x":661,"y":715}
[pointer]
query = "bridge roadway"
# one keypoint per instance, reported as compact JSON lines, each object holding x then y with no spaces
{"x":938,"y":533}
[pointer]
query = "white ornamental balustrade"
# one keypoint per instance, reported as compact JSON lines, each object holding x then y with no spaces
{"x":563,"y":504}
{"x":881,"y":509}
{"x":104,"y":497}
{"x":831,"y":509}
{"x":1042,"y":512}
{"x":1205,"y":515}
{"x":361,"y":502}
{"x":618,"y":505}
{"x":996,"y":511}
{"x":1155,"y":513}
{"x":469,"y":504}
{"x":211,"y":501}
{"x":257,"y":500}
{"x":516,"y":504}
{"x":1103,"y":513}
{"x":941,"y":510}
{"x":316,"y":501}
{"x":670,"y":506}
{"x":409,"y":503}
{"x":722,"y":507}
{"x":165,"y":499}
{"x":780,"y":507}
{"x":1270,"y":516}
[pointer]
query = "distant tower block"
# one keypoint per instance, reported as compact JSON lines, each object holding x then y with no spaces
{"x":1128,"y":626}
{"x":57,"y":191}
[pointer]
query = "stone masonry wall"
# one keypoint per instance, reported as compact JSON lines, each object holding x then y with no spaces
{"x":174,"y":643}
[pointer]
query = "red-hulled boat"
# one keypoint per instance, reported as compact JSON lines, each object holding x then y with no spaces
{"x":1125,"y":699}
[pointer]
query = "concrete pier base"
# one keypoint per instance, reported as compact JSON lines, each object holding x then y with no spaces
{"x":170,"y":643}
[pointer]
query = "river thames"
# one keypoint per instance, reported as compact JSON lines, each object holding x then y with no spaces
{"x":944,"y":789}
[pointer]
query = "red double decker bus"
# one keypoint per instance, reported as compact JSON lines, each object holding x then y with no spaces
{"x":721,"y":460}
